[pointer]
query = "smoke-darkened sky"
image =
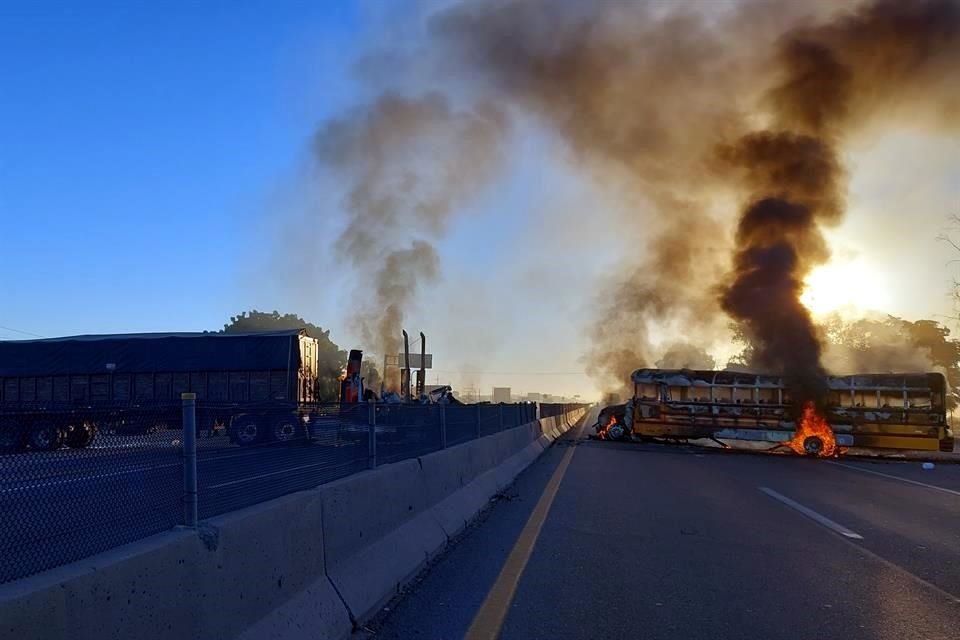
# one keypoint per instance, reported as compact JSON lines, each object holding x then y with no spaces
{"x":179,"y":182}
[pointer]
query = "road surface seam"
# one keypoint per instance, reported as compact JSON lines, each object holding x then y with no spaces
{"x":489,"y":619}
{"x":813,"y":515}
{"x":264,"y":475}
{"x":893,"y":477}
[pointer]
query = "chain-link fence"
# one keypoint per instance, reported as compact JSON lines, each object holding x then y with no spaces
{"x":75,"y":482}
{"x":552,"y":410}
{"x":251,"y":453}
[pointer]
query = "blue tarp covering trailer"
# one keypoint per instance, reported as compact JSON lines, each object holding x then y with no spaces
{"x":126,"y":371}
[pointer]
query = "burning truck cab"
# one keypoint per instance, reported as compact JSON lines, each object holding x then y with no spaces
{"x":885,"y":411}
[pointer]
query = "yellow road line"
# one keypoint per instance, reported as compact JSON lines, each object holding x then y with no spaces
{"x":489,"y":620}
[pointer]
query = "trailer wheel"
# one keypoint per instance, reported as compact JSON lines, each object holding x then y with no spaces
{"x":285,"y":428}
{"x":80,"y":436}
{"x":46,"y":437}
{"x":11,"y":439}
{"x":247,"y":430}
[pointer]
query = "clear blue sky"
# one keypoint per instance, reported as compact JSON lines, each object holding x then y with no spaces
{"x":151,"y":154}
{"x":137,"y":141}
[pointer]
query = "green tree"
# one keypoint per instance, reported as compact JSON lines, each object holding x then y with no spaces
{"x":744,"y":359}
{"x":879,"y":345}
{"x":683,"y":355}
{"x":331,"y":358}
{"x":895,"y":344}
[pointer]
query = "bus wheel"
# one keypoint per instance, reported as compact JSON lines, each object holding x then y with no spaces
{"x":284,"y":428}
{"x":812,"y":445}
{"x":47,"y":437}
{"x":80,"y":436}
{"x":616,"y":432}
{"x":247,"y":430}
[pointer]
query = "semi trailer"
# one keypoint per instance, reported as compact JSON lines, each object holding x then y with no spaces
{"x":60,"y":391}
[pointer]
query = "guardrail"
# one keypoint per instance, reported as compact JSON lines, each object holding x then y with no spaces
{"x":78,"y":481}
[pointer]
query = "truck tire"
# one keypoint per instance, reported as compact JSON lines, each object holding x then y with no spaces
{"x":80,"y":436}
{"x":248,"y":429}
{"x":11,"y":438}
{"x":45,"y":437}
{"x":285,"y":428}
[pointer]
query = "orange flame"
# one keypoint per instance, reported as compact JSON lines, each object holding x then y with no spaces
{"x":813,"y":437}
{"x":602,"y":434}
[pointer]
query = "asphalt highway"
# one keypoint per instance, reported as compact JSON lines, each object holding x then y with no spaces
{"x":660,"y":541}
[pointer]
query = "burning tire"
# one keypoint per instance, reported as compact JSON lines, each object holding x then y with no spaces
{"x":46,"y":437}
{"x":813,"y":445}
{"x":616,"y":431}
{"x":814,"y":437}
{"x":611,"y":423}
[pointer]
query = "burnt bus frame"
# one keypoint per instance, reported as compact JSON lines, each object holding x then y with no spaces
{"x":923,"y":428}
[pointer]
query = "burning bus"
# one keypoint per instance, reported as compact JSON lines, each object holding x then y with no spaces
{"x":885,"y":411}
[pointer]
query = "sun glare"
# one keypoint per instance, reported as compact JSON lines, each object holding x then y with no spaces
{"x":851,"y":287}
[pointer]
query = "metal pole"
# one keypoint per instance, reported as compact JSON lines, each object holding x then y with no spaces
{"x":372,"y":436}
{"x":500,"y":415}
{"x":405,"y":378}
{"x":476,"y":407}
{"x":189,"y":459}
{"x":443,"y":426}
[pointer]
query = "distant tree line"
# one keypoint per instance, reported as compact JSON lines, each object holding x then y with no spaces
{"x":879,"y":345}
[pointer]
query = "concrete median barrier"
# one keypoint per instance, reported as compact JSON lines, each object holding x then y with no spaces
{"x":377,"y":533}
{"x":549,"y":429}
{"x":309,"y":565}
{"x":381,"y":527}
{"x":261,"y":573}
{"x":240,"y":576}
{"x":374,"y":547}
{"x":112,"y":595}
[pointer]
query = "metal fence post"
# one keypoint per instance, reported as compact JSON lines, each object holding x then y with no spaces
{"x":443,"y":426}
{"x":476,"y":408}
{"x":189,"y":459}
{"x":372,"y":434}
{"x":500,"y":415}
